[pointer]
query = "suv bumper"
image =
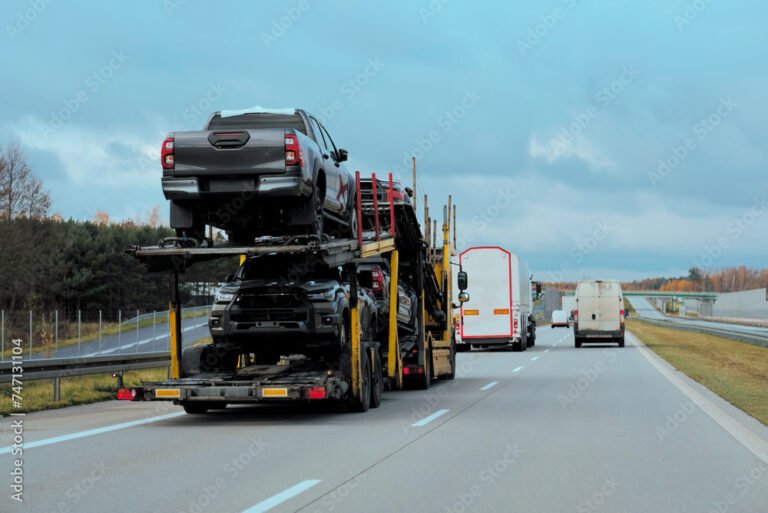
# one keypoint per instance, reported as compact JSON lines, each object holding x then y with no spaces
{"x":192,"y":188}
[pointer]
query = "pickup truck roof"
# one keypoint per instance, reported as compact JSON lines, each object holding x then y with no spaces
{"x":251,"y":120}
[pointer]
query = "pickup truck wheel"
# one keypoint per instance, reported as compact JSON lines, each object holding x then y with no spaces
{"x":318,"y":223}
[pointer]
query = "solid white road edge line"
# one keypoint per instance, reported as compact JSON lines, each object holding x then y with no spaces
{"x":427,"y":420}
{"x":91,"y":432}
{"x":283,"y":496}
{"x":490,"y":385}
{"x":739,"y":431}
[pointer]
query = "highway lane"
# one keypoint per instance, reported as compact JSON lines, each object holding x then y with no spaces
{"x":549,"y":429}
{"x":644,"y":308}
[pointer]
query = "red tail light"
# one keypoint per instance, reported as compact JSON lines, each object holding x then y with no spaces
{"x":317,"y":393}
{"x":576,"y":315}
{"x":406,"y":371}
{"x":166,"y":154}
{"x":621,"y":312}
{"x":126,"y":394}
{"x":293,"y":156}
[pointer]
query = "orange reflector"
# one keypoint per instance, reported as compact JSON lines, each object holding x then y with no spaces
{"x":168,"y":393}
{"x":501,"y":311}
{"x":471,"y":312}
{"x":274,"y":392}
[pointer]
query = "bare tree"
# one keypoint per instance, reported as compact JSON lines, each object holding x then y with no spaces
{"x":21,"y":193}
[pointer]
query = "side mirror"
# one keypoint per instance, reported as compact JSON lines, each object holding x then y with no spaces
{"x":463,"y":297}
{"x":461,"y":278}
{"x":342,"y":155}
{"x":410,"y":193}
{"x":230,"y":278}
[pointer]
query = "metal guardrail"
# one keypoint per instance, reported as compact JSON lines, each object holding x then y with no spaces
{"x":750,"y":338}
{"x":67,"y":367}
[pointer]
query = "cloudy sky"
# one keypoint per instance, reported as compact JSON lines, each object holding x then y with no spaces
{"x":595,"y":138}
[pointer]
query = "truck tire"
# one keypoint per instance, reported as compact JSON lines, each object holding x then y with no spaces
{"x":423,"y":382}
{"x":377,"y":381}
{"x":196,"y":408}
{"x":621,"y":341}
{"x":362,"y":403}
{"x":452,"y":374}
{"x":577,"y":342}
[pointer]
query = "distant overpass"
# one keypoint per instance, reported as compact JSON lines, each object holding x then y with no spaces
{"x":656,"y":293}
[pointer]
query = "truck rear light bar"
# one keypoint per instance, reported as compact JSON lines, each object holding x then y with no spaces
{"x":126,"y":394}
{"x":166,"y":154}
{"x":293,"y":155}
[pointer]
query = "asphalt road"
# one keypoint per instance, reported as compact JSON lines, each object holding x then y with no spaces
{"x":645,"y":309}
{"x":147,"y":339}
{"x":552,"y":429}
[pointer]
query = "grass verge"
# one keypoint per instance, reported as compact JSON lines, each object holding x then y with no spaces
{"x":38,"y":394}
{"x":736,"y":371}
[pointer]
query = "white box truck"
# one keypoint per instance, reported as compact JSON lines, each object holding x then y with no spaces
{"x":500,"y":308}
{"x":599,"y":315}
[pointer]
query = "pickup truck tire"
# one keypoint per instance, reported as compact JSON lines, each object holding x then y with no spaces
{"x":318,"y":222}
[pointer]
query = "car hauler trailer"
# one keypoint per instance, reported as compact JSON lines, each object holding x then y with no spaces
{"x":501,"y":310}
{"x":365,"y":367}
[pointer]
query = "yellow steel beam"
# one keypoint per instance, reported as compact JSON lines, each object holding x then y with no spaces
{"x":369,"y":249}
{"x":354,"y":328}
{"x":394,"y":366}
{"x":175,"y":357}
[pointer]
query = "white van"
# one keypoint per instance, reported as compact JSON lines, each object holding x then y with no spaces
{"x":599,"y":315}
{"x":560,"y":319}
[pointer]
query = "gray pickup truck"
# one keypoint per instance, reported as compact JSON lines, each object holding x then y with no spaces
{"x":258,"y":172}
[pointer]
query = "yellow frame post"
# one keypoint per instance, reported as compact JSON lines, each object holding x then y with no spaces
{"x":174,"y":309}
{"x":354,"y":327}
{"x":394,"y":365}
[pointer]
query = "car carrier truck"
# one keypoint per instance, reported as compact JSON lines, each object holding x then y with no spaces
{"x":213,"y":377}
{"x":501,"y":310}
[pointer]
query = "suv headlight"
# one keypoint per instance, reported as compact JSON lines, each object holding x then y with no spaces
{"x":322,"y":295}
{"x":224,"y":297}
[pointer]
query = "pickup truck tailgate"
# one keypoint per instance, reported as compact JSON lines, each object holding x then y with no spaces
{"x":229,"y":152}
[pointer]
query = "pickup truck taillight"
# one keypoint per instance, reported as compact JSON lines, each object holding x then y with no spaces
{"x":293,"y":155}
{"x":378,"y":280}
{"x":166,"y":154}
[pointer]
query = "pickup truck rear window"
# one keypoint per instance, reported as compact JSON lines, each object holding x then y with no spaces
{"x":259,"y":120}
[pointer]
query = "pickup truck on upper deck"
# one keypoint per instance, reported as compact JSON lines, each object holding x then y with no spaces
{"x":258,"y":172}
